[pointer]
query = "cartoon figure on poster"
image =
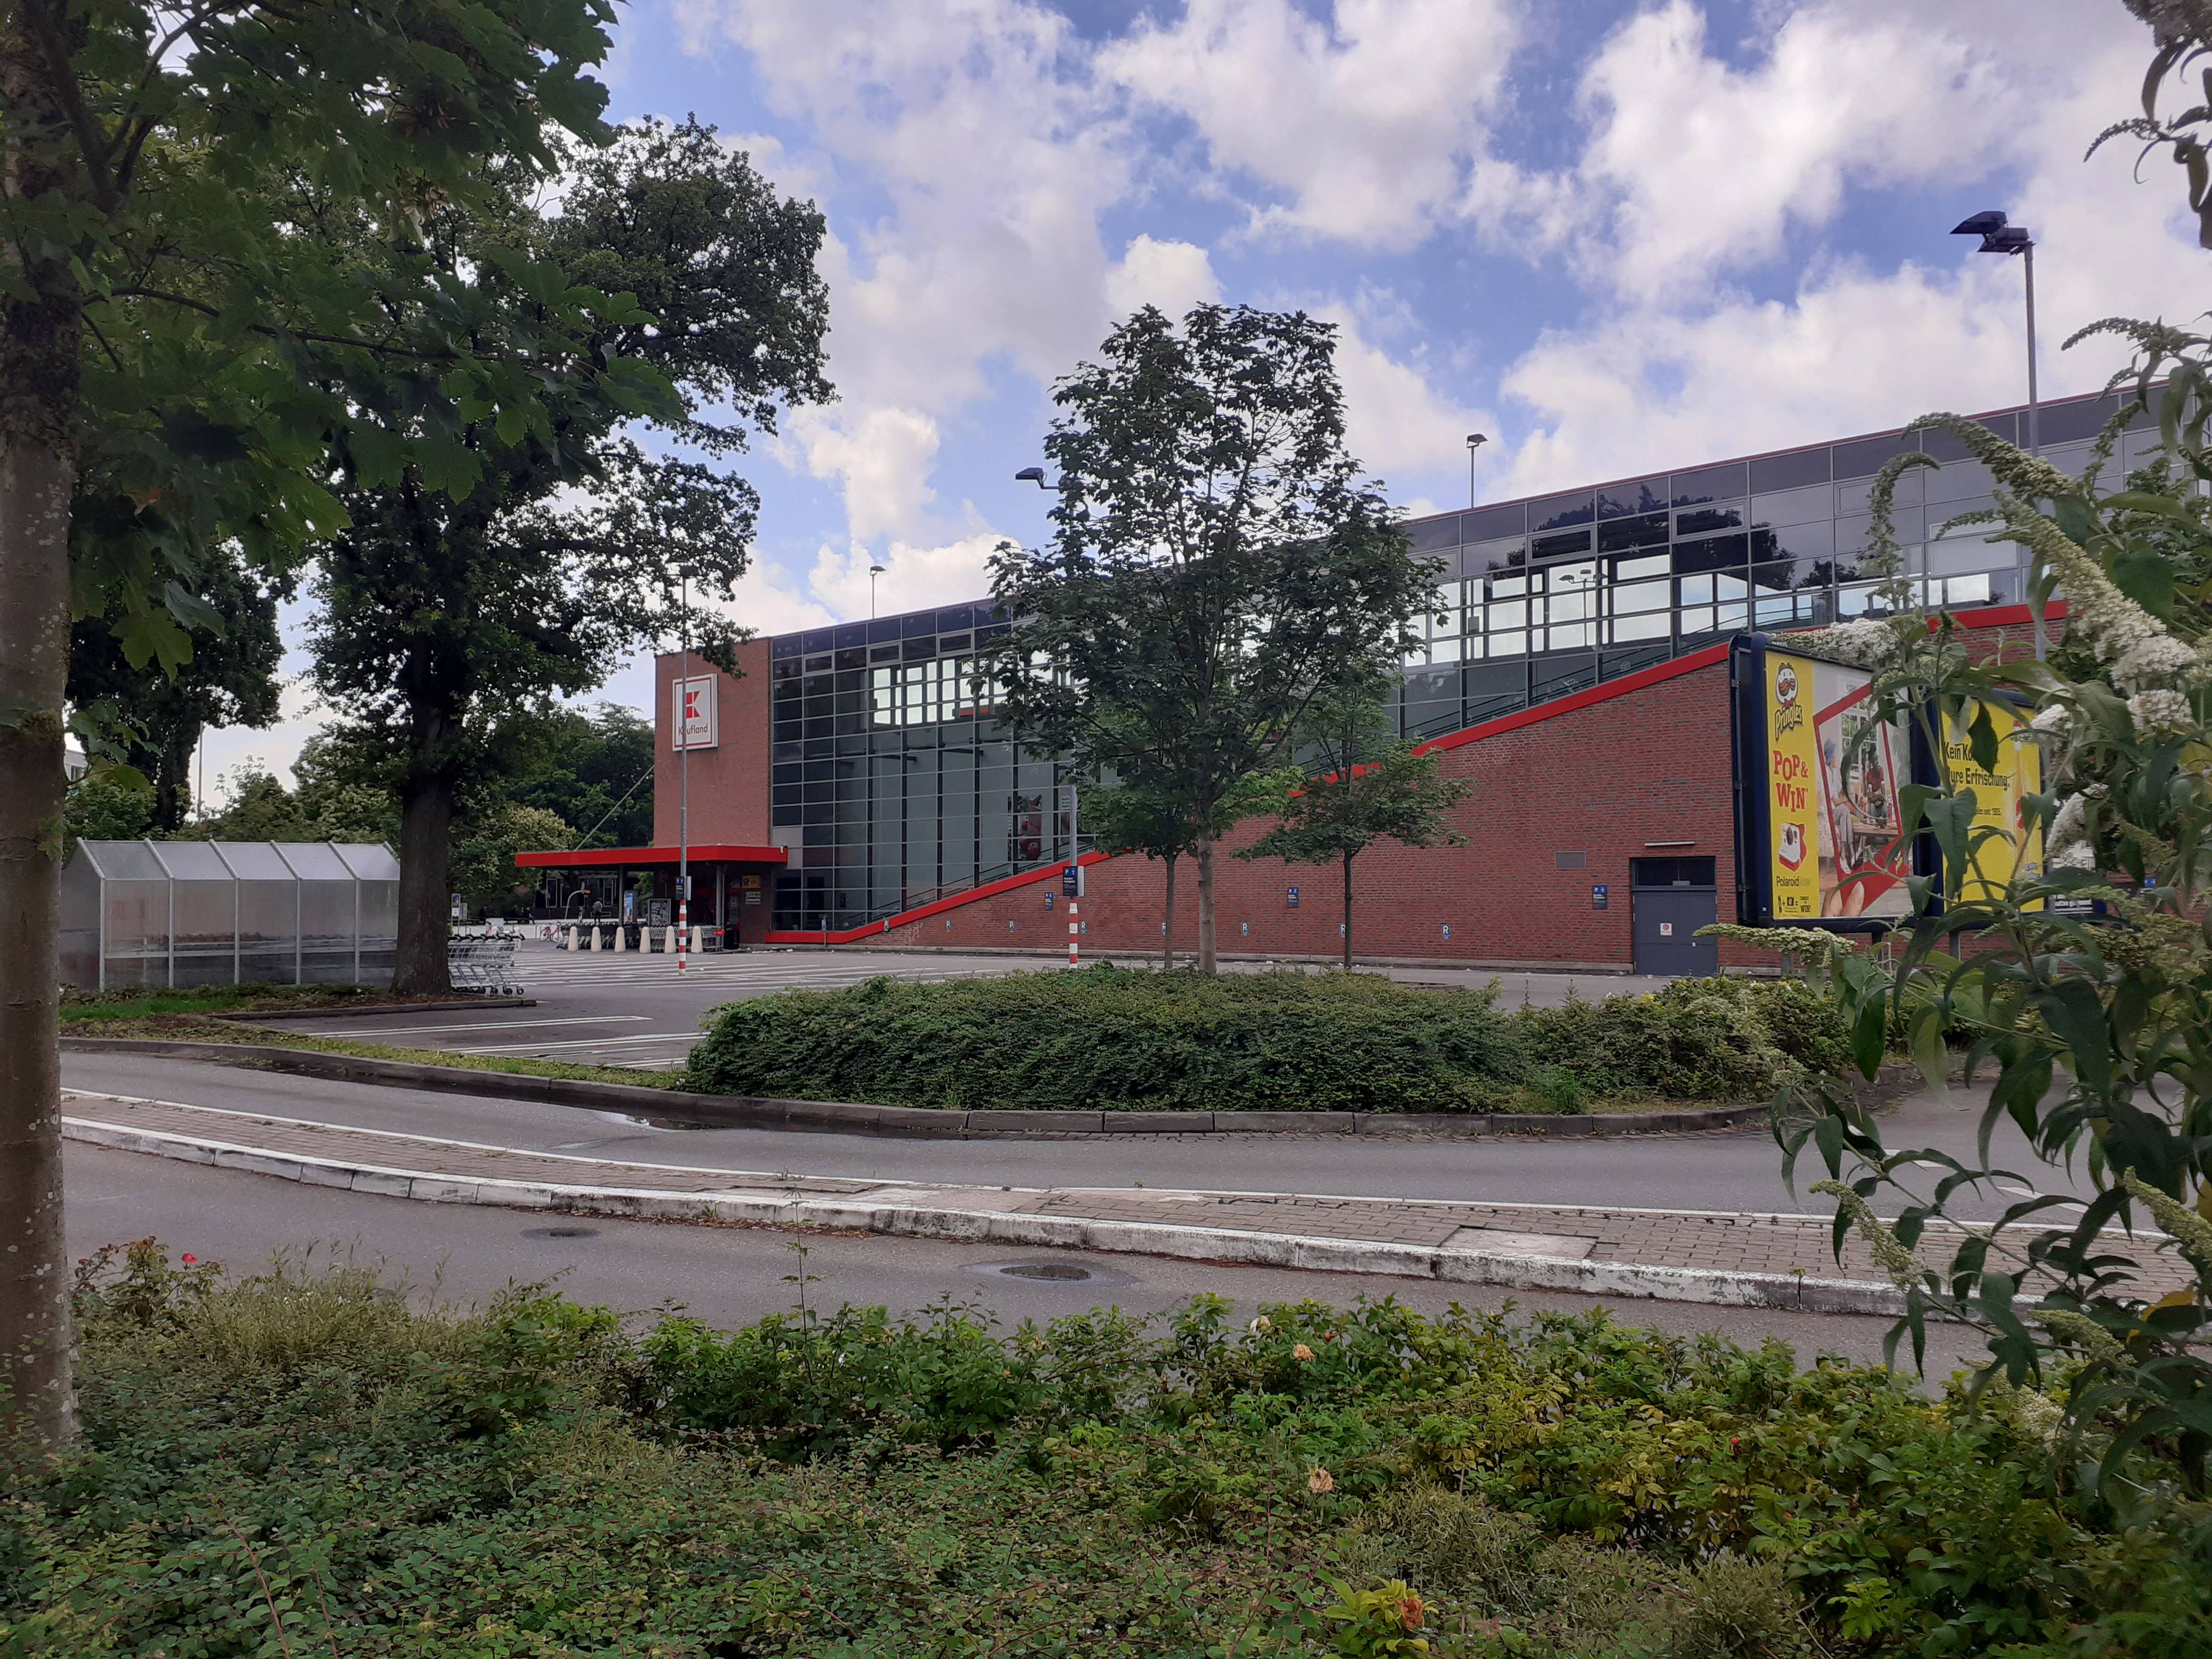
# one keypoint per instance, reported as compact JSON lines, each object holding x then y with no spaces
{"x":1863,"y":867}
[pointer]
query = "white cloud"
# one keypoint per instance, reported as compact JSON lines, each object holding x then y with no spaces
{"x":882,"y":460}
{"x":1394,"y":421}
{"x":1699,"y":167}
{"x":1173,"y":275}
{"x":1364,"y":119}
{"x":914,"y":578}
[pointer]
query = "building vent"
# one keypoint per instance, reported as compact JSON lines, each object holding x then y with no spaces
{"x":1570,"y":860}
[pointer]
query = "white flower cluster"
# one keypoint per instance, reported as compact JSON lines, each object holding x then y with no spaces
{"x":2145,"y":658}
{"x":1863,"y":643}
{"x":2162,"y":659}
{"x":2067,"y":847}
{"x":2160,"y":710}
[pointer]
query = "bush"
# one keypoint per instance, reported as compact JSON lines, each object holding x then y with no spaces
{"x":1131,"y":1041}
{"x":1135,"y":1041}
{"x":528,"y":1481}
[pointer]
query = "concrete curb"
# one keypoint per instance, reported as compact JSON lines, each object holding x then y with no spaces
{"x":840,"y":1117}
{"x":458,"y":1006}
{"x":923,"y":1212}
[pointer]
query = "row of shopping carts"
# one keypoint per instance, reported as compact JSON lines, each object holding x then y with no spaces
{"x":482,"y":961}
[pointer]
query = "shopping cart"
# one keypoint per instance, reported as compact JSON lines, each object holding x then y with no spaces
{"x":482,"y":962}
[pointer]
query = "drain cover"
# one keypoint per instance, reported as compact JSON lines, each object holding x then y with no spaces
{"x":559,"y":1232}
{"x":1051,"y":1273}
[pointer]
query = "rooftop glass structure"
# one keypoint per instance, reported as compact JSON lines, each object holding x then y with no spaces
{"x":893,"y":785}
{"x":161,"y":915}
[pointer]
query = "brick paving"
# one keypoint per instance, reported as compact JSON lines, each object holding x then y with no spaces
{"x":1725,"y":1242}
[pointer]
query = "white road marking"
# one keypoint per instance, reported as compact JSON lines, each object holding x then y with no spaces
{"x":480,"y":1026}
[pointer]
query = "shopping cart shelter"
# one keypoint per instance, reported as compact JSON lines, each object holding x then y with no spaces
{"x":161,"y":915}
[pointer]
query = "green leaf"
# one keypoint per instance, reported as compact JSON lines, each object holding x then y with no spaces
{"x":2146,"y":575}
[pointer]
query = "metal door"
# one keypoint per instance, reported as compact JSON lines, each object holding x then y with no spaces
{"x":1666,"y":921}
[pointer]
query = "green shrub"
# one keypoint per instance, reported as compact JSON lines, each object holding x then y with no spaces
{"x":1132,"y":1041}
{"x":527,"y":1481}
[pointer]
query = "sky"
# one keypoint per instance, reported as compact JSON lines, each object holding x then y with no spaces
{"x":1613,"y":237}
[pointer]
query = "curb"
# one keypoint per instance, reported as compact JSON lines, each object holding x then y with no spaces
{"x":922,"y":1218}
{"x":840,"y":1117}
{"x":458,"y":1006}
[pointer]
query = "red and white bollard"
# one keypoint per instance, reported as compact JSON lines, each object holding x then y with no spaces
{"x":683,"y":929}
{"x":1071,"y":933}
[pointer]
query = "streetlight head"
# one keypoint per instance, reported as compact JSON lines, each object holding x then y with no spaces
{"x":2013,"y":238}
{"x":1476,"y":438}
{"x":877,"y":569}
{"x":1981,"y":224}
{"x":1031,"y":475}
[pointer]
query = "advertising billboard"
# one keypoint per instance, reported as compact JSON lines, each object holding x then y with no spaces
{"x":1819,"y":818}
{"x":693,"y":706}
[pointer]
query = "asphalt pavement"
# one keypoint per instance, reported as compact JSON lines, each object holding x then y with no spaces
{"x":634,"y":1009}
{"x":466,"y":1254}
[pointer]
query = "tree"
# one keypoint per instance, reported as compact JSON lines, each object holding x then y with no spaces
{"x":1217,"y":564}
{"x":450,"y":619}
{"x":483,"y":870}
{"x":230,"y":679}
{"x":594,"y":771}
{"x":1367,"y":784}
{"x":1126,"y":819}
{"x":107,"y":804}
{"x":155,"y":315}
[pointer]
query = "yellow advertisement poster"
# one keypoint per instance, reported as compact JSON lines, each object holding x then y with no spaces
{"x":2000,"y":802}
{"x":1793,"y":778}
{"x":1833,"y":772}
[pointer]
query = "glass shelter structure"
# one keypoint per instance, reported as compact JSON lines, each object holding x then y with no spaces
{"x":163,"y":914}
{"x":892,"y":784}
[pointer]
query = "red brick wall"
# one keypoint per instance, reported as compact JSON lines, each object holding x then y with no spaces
{"x":1648,"y":765}
{"x":729,"y":784}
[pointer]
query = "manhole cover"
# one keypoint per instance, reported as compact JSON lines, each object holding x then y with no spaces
{"x":1051,"y":1273}
{"x":559,"y":1232}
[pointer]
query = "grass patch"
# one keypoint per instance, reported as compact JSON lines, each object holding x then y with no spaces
{"x":197,"y":1027}
{"x":136,"y":1003}
{"x":301,"y":1463}
{"x":1117,"y":1039}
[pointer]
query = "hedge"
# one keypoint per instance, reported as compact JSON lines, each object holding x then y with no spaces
{"x":307,"y":1465}
{"x":1114,"y":1038}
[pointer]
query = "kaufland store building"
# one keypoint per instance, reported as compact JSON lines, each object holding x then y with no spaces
{"x":845,"y":789}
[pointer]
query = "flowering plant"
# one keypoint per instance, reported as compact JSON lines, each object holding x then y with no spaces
{"x":2081,"y":986}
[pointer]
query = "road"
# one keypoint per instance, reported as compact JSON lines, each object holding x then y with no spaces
{"x":464,"y":1254}
{"x":634,"y":1010}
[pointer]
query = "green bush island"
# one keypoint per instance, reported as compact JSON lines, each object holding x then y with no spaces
{"x":1108,"y":1037}
{"x":302,"y":1462}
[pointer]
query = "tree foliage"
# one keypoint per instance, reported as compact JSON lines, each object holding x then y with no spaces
{"x":1218,"y":562}
{"x":1362,"y":784}
{"x":229,"y":680}
{"x":450,"y":616}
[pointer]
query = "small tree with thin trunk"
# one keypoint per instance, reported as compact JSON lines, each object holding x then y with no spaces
{"x":1368,"y":785}
{"x":1127,"y":818}
{"x":1218,"y":563}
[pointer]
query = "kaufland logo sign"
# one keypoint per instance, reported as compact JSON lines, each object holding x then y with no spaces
{"x":692,"y":706}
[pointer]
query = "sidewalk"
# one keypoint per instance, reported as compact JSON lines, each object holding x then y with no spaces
{"x":1732,"y":1260}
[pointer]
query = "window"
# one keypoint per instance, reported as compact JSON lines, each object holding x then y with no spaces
{"x":1644,"y":495}
{"x":1671,"y":873}
{"x":1556,"y":512}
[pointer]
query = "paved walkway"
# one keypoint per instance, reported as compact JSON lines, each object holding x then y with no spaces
{"x":1743,"y":1260}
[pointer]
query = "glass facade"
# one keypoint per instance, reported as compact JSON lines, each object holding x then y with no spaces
{"x":889,"y":778}
{"x":894,"y":786}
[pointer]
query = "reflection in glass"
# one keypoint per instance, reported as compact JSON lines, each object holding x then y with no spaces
{"x":1618,"y":534}
{"x":1644,"y":495}
{"x":1555,"y":512}
{"x":1700,"y":521}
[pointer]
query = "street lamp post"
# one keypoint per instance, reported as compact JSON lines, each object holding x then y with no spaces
{"x":683,"y":772}
{"x":1474,"y":441}
{"x":2001,"y":237}
{"x":875,"y":571}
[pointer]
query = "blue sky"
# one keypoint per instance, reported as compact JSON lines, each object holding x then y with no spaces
{"x":1612,"y":236}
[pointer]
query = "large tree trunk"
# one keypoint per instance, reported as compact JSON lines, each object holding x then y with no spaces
{"x":38,"y":1413}
{"x":1167,"y":927}
{"x":426,"y":825}
{"x":172,"y":777}
{"x":39,"y":340}
{"x":1347,"y":913}
{"x":1207,"y":964}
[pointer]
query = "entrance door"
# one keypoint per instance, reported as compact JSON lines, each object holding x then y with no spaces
{"x":1672,"y":899}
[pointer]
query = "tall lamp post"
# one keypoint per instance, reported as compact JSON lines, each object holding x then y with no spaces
{"x":875,"y":571}
{"x":683,"y":771}
{"x":1474,"y":441}
{"x":2000,"y":237}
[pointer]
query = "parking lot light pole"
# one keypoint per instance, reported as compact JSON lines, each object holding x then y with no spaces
{"x":2000,"y":237}
{"x":683,"y":769}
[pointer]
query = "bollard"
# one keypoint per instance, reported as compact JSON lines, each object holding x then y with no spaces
{"x":573,"y":940}
{"x":621,"y":936}
{"x":695,"y":941}
{"x":593,"y":944}
{"x":671,"y":946}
